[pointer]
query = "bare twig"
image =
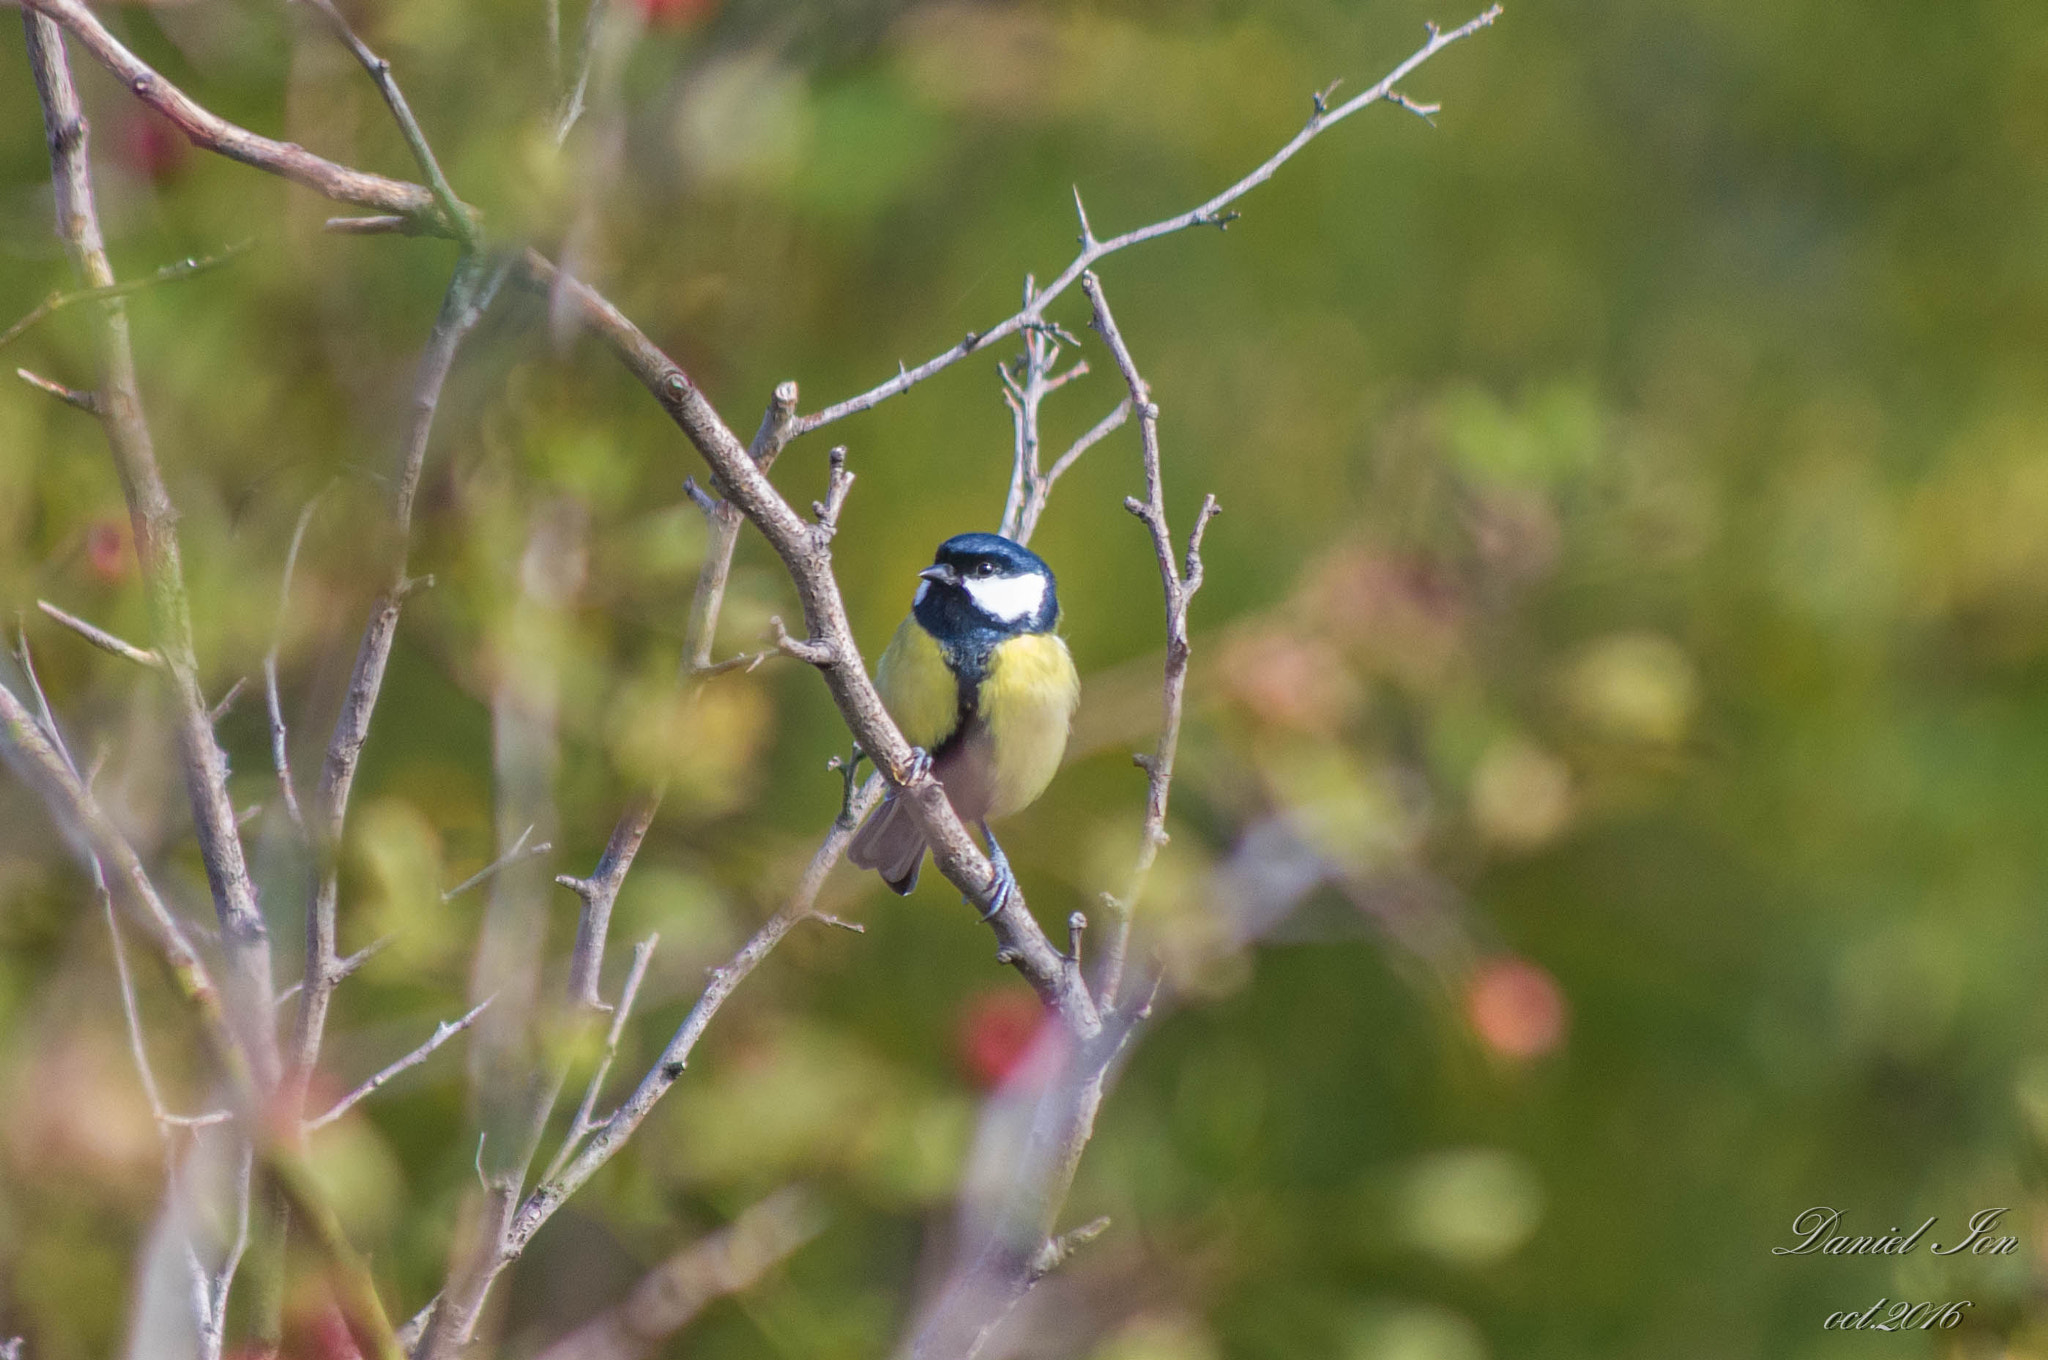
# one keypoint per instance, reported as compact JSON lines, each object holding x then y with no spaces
{"x":581,"y":1126}
{"x":520,"y":851}
{"x":343,"y":970}
{"x":245,"y":940}
{"x":231,"y":1262}
{"x":39,"y":761}
{"x":838,"y":484}
{"x":669,"y":1296}
{"x":87,"y":402}
{"x":1034,"y":503}
{"x":57,"y":302}
{"x":227,"y":703}
{"x":210,"y":132}
{"x":453,"y":210}
{"x":1178,"y":581}
{"x":280,"y":755}
{"x":611,"y":1135}
{"x":513,"y":1080}
{"x":1210,"y":213}
{"x":1013,"y":1245}
{"x":469,"y":293}
{"x":443,"y":1032}
{"x":379,"y":224}
{"x":102,"y":639}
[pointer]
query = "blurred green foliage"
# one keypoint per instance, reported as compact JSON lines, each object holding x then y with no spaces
{"x":1631,"y":607}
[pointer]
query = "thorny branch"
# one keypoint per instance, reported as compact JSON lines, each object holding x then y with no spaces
{"x":1179,"y":581}
{"x":1015,"y":1245}
{"x":1209,"y":214}
{"x":1094,"y":1016}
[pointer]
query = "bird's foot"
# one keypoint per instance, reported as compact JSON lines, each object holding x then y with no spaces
{"x":920,"y":765}
{"x":1005,"y":879}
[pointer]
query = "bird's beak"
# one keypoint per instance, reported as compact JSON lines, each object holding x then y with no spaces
{"x":941,"y":573}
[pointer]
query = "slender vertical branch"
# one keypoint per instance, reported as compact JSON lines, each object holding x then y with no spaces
{"x":245,"y":941}
{"x":280,"y":755}
{"x":469,"y":294}
{"x":1178,"y":580}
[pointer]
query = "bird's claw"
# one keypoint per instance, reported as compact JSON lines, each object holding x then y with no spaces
{"x":920,"y":765}
{"x":1005,"y":878}
{"x":1006,"y":883}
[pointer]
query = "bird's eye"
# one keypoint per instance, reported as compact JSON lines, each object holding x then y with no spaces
{"x":984,"y":568}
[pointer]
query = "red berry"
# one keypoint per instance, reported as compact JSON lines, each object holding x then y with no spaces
{"x":106,"y":550}
{"x":996,"y":1033}
{"x":152,"y":148}
{"x":675,"y":13}
{"x":1516,"y":1007}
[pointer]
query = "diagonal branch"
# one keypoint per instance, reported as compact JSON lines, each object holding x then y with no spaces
{"x":57,"y":302}
{"x":454,"y":211}
{"x":102,"y":639}
{"x":443,"y":1032}
{"x":669,"y":1296}
{"x":245,"y":940}
{"x":209,"y":131}
{"x":806,"y":554}
{"x":1209,"y":214}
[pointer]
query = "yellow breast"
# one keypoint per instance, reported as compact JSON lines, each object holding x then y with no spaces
{"x":918,"y":688}
{"x":1025,"y":706}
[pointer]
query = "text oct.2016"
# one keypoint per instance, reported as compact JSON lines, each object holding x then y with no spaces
{"x":1814,"y":1231}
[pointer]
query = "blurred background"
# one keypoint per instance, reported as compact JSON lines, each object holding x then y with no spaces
{"x":1613,"y":816}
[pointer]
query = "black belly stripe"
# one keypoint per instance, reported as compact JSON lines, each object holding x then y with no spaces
{"x":968,"y":658}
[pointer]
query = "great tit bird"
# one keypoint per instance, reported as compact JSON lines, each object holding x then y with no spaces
{"x":976,"y":678}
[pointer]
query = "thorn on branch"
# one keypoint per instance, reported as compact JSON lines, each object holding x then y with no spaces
{"x":806,"y":650}
{"x":1426,"y":112}
{"x":1322,"y":96}
{"x":1087,"y":232}
{"x":519,"y":851}
{"x":1219,"y":220}
{"x":71,"y":396}
{"x":1076,"y":924}
{"x":380,"y":224}
{"x":827,"y":918}
{"x":1050,"y":1256}
{"x":102,"y":639}
{"x":227,"y":701}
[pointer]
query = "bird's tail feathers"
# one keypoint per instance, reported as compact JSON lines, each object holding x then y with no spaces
{"x":890,"y":843}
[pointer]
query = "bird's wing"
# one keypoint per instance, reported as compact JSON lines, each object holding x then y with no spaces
{"x":918,"y":688}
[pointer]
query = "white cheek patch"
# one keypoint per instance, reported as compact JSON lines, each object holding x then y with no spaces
{"x":1009,"y":598}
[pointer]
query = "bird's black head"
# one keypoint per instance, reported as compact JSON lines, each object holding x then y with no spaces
{"x":984,"y":583}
